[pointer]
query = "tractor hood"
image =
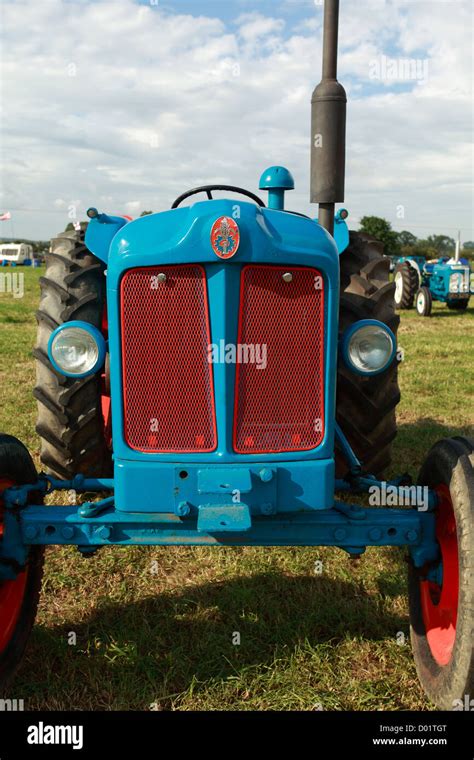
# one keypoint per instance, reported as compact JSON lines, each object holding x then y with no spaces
{"x":185,"y":234}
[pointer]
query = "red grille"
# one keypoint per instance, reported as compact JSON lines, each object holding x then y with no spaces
{"x":280,"y":407}
{"x":167,"y":379}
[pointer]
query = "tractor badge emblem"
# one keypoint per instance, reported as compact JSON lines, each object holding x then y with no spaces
{"x":225,"y":237}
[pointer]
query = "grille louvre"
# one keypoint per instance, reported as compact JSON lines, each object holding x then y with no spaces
{"x":167,"y":379}
{"x":281,"y":407}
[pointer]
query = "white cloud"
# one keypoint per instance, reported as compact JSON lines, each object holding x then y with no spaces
{"x":111,"y":102}
{"x":259,"y":33}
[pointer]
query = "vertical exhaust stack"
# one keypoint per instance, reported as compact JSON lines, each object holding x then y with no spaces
{"x":458,"y":247}
{"x":328,"y":126}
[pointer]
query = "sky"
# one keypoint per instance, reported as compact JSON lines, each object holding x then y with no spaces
{"x":124,"y":105}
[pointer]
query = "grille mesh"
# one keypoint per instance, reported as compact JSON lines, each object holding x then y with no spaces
{"x":167,"y":379}
{"x":280,"y":407}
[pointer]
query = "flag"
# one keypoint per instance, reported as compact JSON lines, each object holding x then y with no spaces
{"x":5,"y":217}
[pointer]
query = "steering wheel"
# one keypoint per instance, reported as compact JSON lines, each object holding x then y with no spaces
{"x":208,"y":190}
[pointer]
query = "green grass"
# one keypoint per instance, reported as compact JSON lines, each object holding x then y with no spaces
{"x":164,"y":639}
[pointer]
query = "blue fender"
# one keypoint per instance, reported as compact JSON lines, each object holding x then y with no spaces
{"x":100,"y":232}
{"x":341,"y":230}
{"x":341,"y":233}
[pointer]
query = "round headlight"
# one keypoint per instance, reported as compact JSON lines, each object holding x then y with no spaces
{"x":369,"y":347}
{"x":76,"y":349}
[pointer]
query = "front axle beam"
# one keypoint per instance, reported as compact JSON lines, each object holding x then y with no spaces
{"x":349,"y":527}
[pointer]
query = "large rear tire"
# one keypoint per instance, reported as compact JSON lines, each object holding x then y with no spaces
{"x":365,"y":406}
{"x":406,"y":284}
{"x":71,"y":422}
{"x":19,"y":597}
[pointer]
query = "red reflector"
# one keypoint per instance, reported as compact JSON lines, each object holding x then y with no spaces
{"x":167,"y":379}
{"x":279,"y":405}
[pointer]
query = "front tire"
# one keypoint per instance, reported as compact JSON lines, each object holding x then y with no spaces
{"x":19,"y":597}
{"x":442,"y":596}
{"x":71,"y":413}
{"x":365,"y":406}
{"x":424,"y":302}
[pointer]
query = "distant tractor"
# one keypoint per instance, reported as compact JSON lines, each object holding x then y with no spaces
{"x":16,"y":254}
{"x":448,"y":280}
{"x":215,"y":374}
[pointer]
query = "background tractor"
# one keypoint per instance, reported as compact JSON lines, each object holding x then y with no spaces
{"x":447,"y":280}
{"x":183,"y":448}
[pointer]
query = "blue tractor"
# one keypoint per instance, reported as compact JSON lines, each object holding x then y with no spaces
{"x":224,"y":373}
{"x":448,"y":280}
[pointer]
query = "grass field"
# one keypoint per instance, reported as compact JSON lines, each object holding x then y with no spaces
{"x":164,"y":639}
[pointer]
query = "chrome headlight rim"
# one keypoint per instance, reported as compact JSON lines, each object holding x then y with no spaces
{"x":454,"y":283}
{"x":96,"y":336}
{"x":346,"y":340}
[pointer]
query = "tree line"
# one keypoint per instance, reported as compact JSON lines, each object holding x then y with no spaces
{"x":405,"y":243}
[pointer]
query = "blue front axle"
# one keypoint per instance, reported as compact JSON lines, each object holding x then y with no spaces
{"x":97,"y":523}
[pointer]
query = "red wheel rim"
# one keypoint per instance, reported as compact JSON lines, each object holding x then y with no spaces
{"x":107,"y":419}
{"x":106,"y":408}
{"x":439,"y":603}
{"x":12,"y":592}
